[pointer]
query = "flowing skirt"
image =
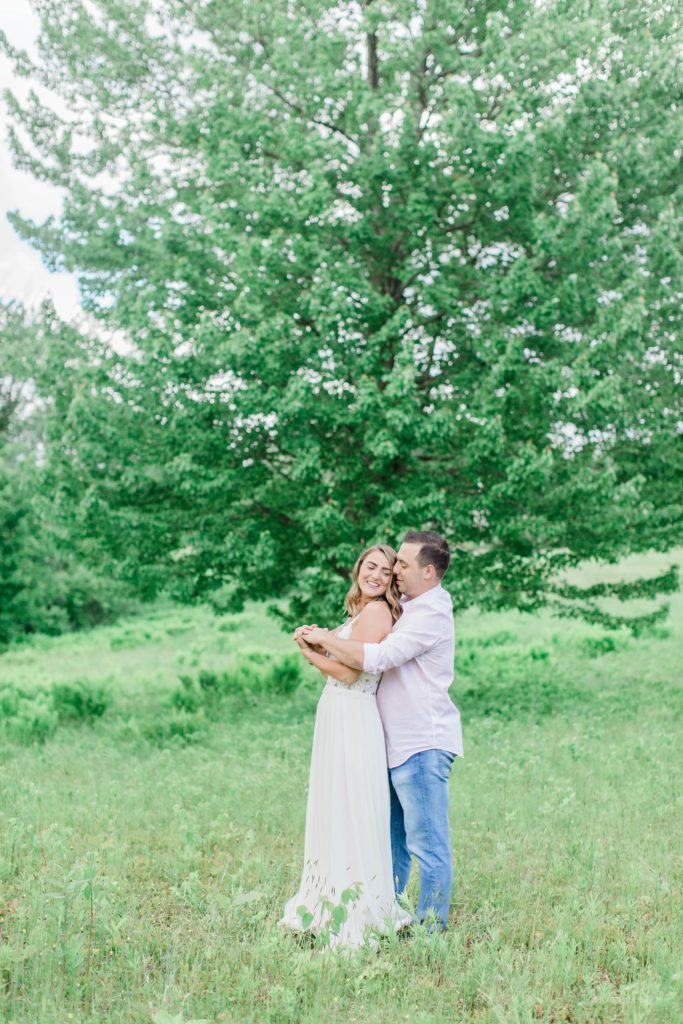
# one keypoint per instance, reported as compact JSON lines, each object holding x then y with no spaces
{"x":347,"y":847}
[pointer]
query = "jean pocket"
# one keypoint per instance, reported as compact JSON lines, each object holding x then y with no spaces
{"x":445,"y":764}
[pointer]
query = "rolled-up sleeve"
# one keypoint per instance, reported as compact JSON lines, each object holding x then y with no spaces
{"x":408,"y":642}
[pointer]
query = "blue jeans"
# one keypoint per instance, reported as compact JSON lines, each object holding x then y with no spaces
{"x":419,"y":827}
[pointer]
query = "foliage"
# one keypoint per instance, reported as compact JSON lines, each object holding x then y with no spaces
{"x":27,"y":718}
{"x":33,"y":716}
{"x":180,"y":727}
{"x":251,"y":679}
{"x":80,"y":701}
{"x":45,"y":584}
{"x":331,"y":915}
{"x":373,"y":267}
{"x":21,"y":358}
{"x":13,"y":538}
{"x":285,"y":675}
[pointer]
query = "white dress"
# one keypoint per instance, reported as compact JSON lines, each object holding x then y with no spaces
{"x":347,"y":843}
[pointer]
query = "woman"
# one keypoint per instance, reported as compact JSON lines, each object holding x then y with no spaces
{"x":347,"y":844}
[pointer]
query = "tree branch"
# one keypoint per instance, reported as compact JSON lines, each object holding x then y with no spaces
{"x":308,"y":117}
{"x":373,"y":61}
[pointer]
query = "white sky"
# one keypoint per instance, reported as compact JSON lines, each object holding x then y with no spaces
{"x":22,"y":274}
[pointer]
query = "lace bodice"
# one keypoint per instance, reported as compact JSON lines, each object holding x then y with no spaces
{"x":367,"y":682}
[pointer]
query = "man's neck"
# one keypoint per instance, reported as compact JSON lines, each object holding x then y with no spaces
{"x":427,"y":590}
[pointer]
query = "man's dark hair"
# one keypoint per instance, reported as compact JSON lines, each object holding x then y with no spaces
{"x":434,"y":550}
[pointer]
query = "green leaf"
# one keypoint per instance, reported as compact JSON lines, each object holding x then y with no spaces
{"x":305,"y":916}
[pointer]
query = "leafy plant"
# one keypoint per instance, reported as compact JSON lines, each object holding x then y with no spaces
{"x":33,"y":720}
{"x":178,"y":728}
{"x":285,"y":675}
{"x":331,"y":915}
{"x":29,"y":717}
{"x":80,"y":701}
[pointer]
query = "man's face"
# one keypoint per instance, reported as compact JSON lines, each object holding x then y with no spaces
{"x":411,"y":578}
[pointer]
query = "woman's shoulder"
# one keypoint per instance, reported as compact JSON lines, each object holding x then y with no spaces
{"x":375,"y":611}
{"x":373,"y":624}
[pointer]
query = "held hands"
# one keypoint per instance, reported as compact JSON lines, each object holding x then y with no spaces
{"x":307,"y":652}
{"x":315,"y":636}
{"x":308,"y":639}
{"x":299,"y":639}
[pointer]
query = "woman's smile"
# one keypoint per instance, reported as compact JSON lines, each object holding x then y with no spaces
{"x":374,"y":575}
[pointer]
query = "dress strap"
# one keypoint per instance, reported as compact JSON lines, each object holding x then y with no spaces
{"x":349,"y":622}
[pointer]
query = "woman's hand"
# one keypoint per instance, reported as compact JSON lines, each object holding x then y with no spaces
{"x":299,"y":631}
{"x":308,"y":652}
{"x":302,"y":636}
{"x":305,"y":648}
{"x":315,"y":636}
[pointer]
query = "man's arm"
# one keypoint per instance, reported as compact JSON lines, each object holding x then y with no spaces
{"x":349,"y":652}
{"x":412,"y":640}
{"x":401,"y":647}
{"x":372,"y":625}
{"x":328,"y":666}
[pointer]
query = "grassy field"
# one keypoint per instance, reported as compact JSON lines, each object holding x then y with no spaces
{"x":149,"y":841}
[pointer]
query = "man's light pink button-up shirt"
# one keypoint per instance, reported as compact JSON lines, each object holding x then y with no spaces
{"x":417,"y":665}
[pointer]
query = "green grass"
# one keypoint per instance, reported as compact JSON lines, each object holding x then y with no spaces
{"x":145,"y":652}
{"x":142,"y":882}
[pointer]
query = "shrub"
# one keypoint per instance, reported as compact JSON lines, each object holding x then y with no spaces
{"x":188,"y":697}
{"x":251,"y":677}
{"x":229,"y":625}
{"x":595,"y":646}
{"x":285,"y":675}
{"x":209,"y":680}
{"x":9,"y":701}
{"x":80,"y":701}
{"x":258,"y":658}
{"x":498,"y":639}
{"x":180,"y":728}
{"x":515,"y":685}
{"x":244,"y":680}
{"x":34,"y":719}
{"x":178,"y":630}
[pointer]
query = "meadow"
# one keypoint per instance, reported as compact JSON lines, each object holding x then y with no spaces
{"x":152,"y":800}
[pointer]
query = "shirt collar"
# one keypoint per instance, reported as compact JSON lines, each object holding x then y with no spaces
{"x":426,"y":598}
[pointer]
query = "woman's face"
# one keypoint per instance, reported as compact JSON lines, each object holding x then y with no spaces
{"x":374,"y":575}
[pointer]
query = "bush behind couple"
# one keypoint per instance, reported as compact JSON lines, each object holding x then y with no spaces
{"x":364,"y":823}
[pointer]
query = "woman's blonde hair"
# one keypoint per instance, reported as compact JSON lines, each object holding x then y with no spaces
{"x":391,"y":594}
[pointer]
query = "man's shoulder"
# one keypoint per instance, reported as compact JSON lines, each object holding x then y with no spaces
{"x":435,"y":603}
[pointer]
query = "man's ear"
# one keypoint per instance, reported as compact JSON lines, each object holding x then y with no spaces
{"x":430,"y":572}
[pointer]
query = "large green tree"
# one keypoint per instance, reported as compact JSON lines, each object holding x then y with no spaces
{"x":373,"y":266}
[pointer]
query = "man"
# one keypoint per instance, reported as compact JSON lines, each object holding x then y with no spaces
{"x":421,"y":723}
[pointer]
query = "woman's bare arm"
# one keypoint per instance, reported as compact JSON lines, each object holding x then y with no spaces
{"x":330,"y":666}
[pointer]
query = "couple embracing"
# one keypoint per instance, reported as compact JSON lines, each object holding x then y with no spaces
{"x":363,"y":823}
